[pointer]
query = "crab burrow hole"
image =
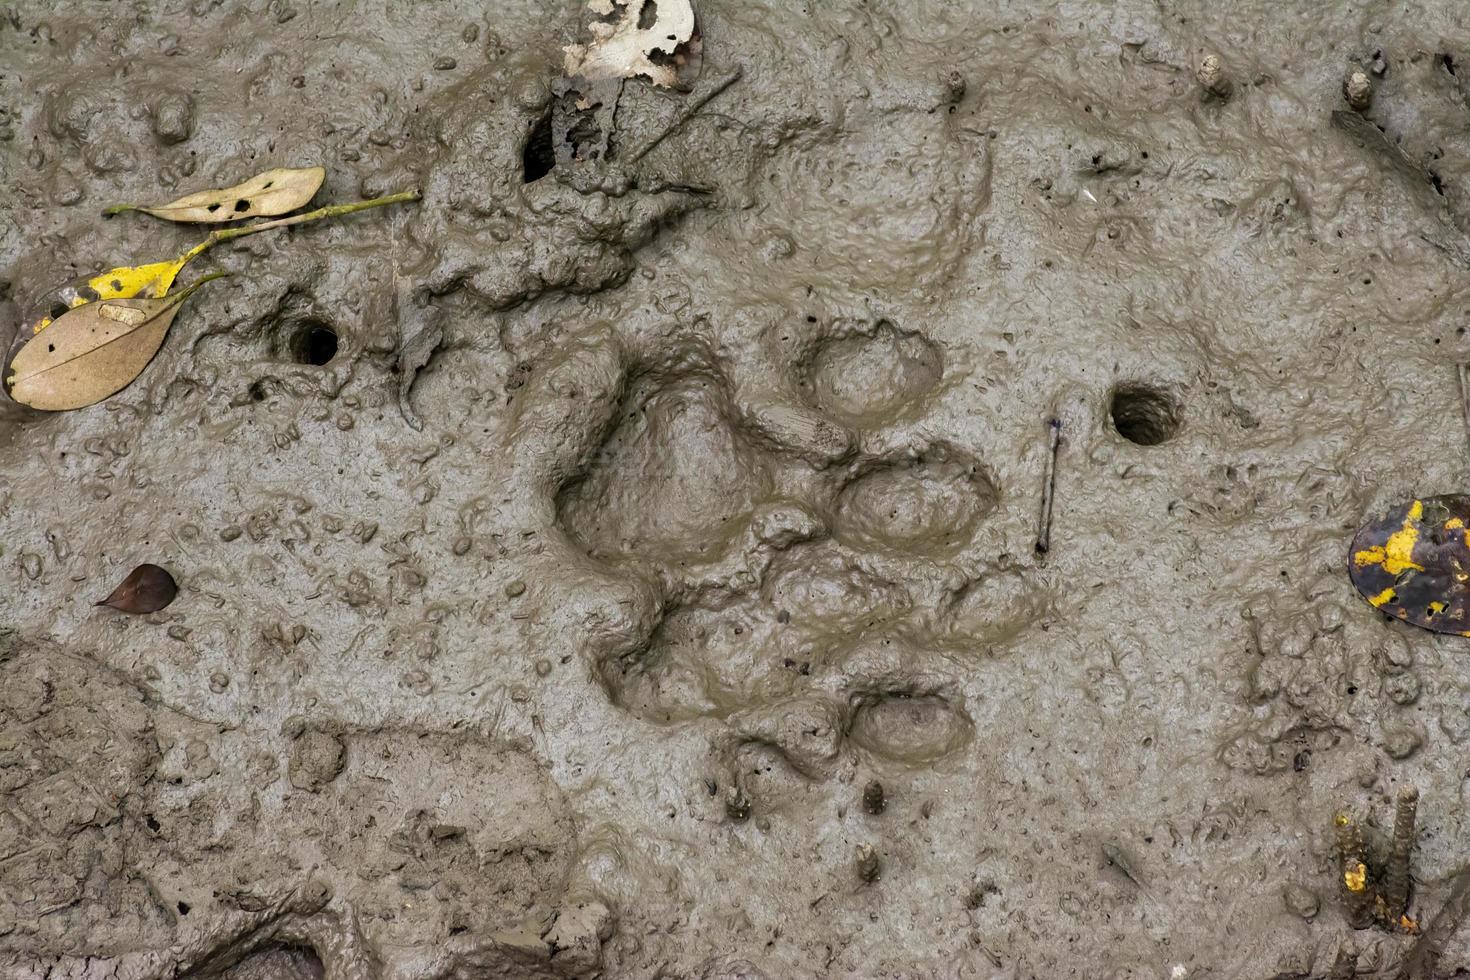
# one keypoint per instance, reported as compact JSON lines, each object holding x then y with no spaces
{"x":311,"y":341}
{"x":1145,"y":414}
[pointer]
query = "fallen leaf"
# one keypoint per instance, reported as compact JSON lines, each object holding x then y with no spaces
{"x":638,"y":38}
{"x":155,"y":279}
{"x":274,"y":192}
{"x":147,"y":589}
{"x":93,"y":351}
{"x":152,"y":280}
{"x":1414,"y":563}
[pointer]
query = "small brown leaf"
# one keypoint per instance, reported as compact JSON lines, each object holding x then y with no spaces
{"x":92,"y":351}
{"x":274,"y":192}
{"x":147,"y":589}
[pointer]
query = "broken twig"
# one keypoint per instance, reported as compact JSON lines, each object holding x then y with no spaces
{"x":689,"y":112}
{"x":1048,"y":485}
{"x":1422,"y":960}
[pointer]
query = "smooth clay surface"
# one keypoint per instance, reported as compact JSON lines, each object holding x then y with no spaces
{"x":680,"y":617}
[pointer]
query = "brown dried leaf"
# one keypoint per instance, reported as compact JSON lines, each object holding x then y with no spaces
{"x":274,"y":192}
{"x":624,"y":46}
{"x":147,"y":589}
{"x":93,"y":351}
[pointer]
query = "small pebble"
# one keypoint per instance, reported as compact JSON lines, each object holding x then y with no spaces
{"x":515,"y":588}
{"x":1402,"y":688}
{"x":1357,"y":88}
{"x":445,"y":64}
{"x":954,"y":86}
{"x":1300,"y":901}
{"x":737,"y":807}
{"x":778,"y":247}
{"x":1212,"y":78}
{"x":873,"y":799}
{"x":470,"y":34}
{"x":543,"y":667}
{"x":868,"y":865}
{"x":1400,"y":743}
{"x":218,"y":681}
{"x":230,"y":533}
{"x":298,"y":81}
{"x":461,"y":546}
{"x":172,"y":117}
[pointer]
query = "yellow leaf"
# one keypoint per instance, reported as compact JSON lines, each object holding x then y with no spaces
{"x":274,"y":192}
{"x":94,"y":351}
{"x":155,"y":279}
{"x":150,"y":281}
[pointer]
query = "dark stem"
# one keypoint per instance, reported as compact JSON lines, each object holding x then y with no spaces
{"x":1049,"y":485}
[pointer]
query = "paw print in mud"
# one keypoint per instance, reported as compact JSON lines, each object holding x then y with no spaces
{"x":767,"y":552}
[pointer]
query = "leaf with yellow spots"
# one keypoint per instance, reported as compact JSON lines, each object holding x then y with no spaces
{"x":152,"y":280}
{"x":274,"y":192}
{"x":1414,"y":563}
{"x":94,"y":351}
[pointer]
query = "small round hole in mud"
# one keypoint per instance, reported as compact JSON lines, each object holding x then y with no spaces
{"x":1144,"y":414}
{"x":314,"y":343}
{"x":539,"y":156}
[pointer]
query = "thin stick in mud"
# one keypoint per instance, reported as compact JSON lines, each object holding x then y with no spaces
{"x":1048,"y":485}
{"x":688,"y":113}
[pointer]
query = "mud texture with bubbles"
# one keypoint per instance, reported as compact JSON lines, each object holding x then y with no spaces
{"x":630,"y":570}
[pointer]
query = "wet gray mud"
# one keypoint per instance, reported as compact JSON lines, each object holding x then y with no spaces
{"x":630,"y":570}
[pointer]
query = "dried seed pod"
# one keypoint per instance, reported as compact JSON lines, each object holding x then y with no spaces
{"x":274,"y":192}
{"x":147,"y":589}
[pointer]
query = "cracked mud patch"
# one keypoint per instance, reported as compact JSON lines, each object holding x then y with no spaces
{"x":626,"y":567}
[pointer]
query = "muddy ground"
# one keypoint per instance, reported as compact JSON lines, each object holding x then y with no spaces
{"x":682,"y":617}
